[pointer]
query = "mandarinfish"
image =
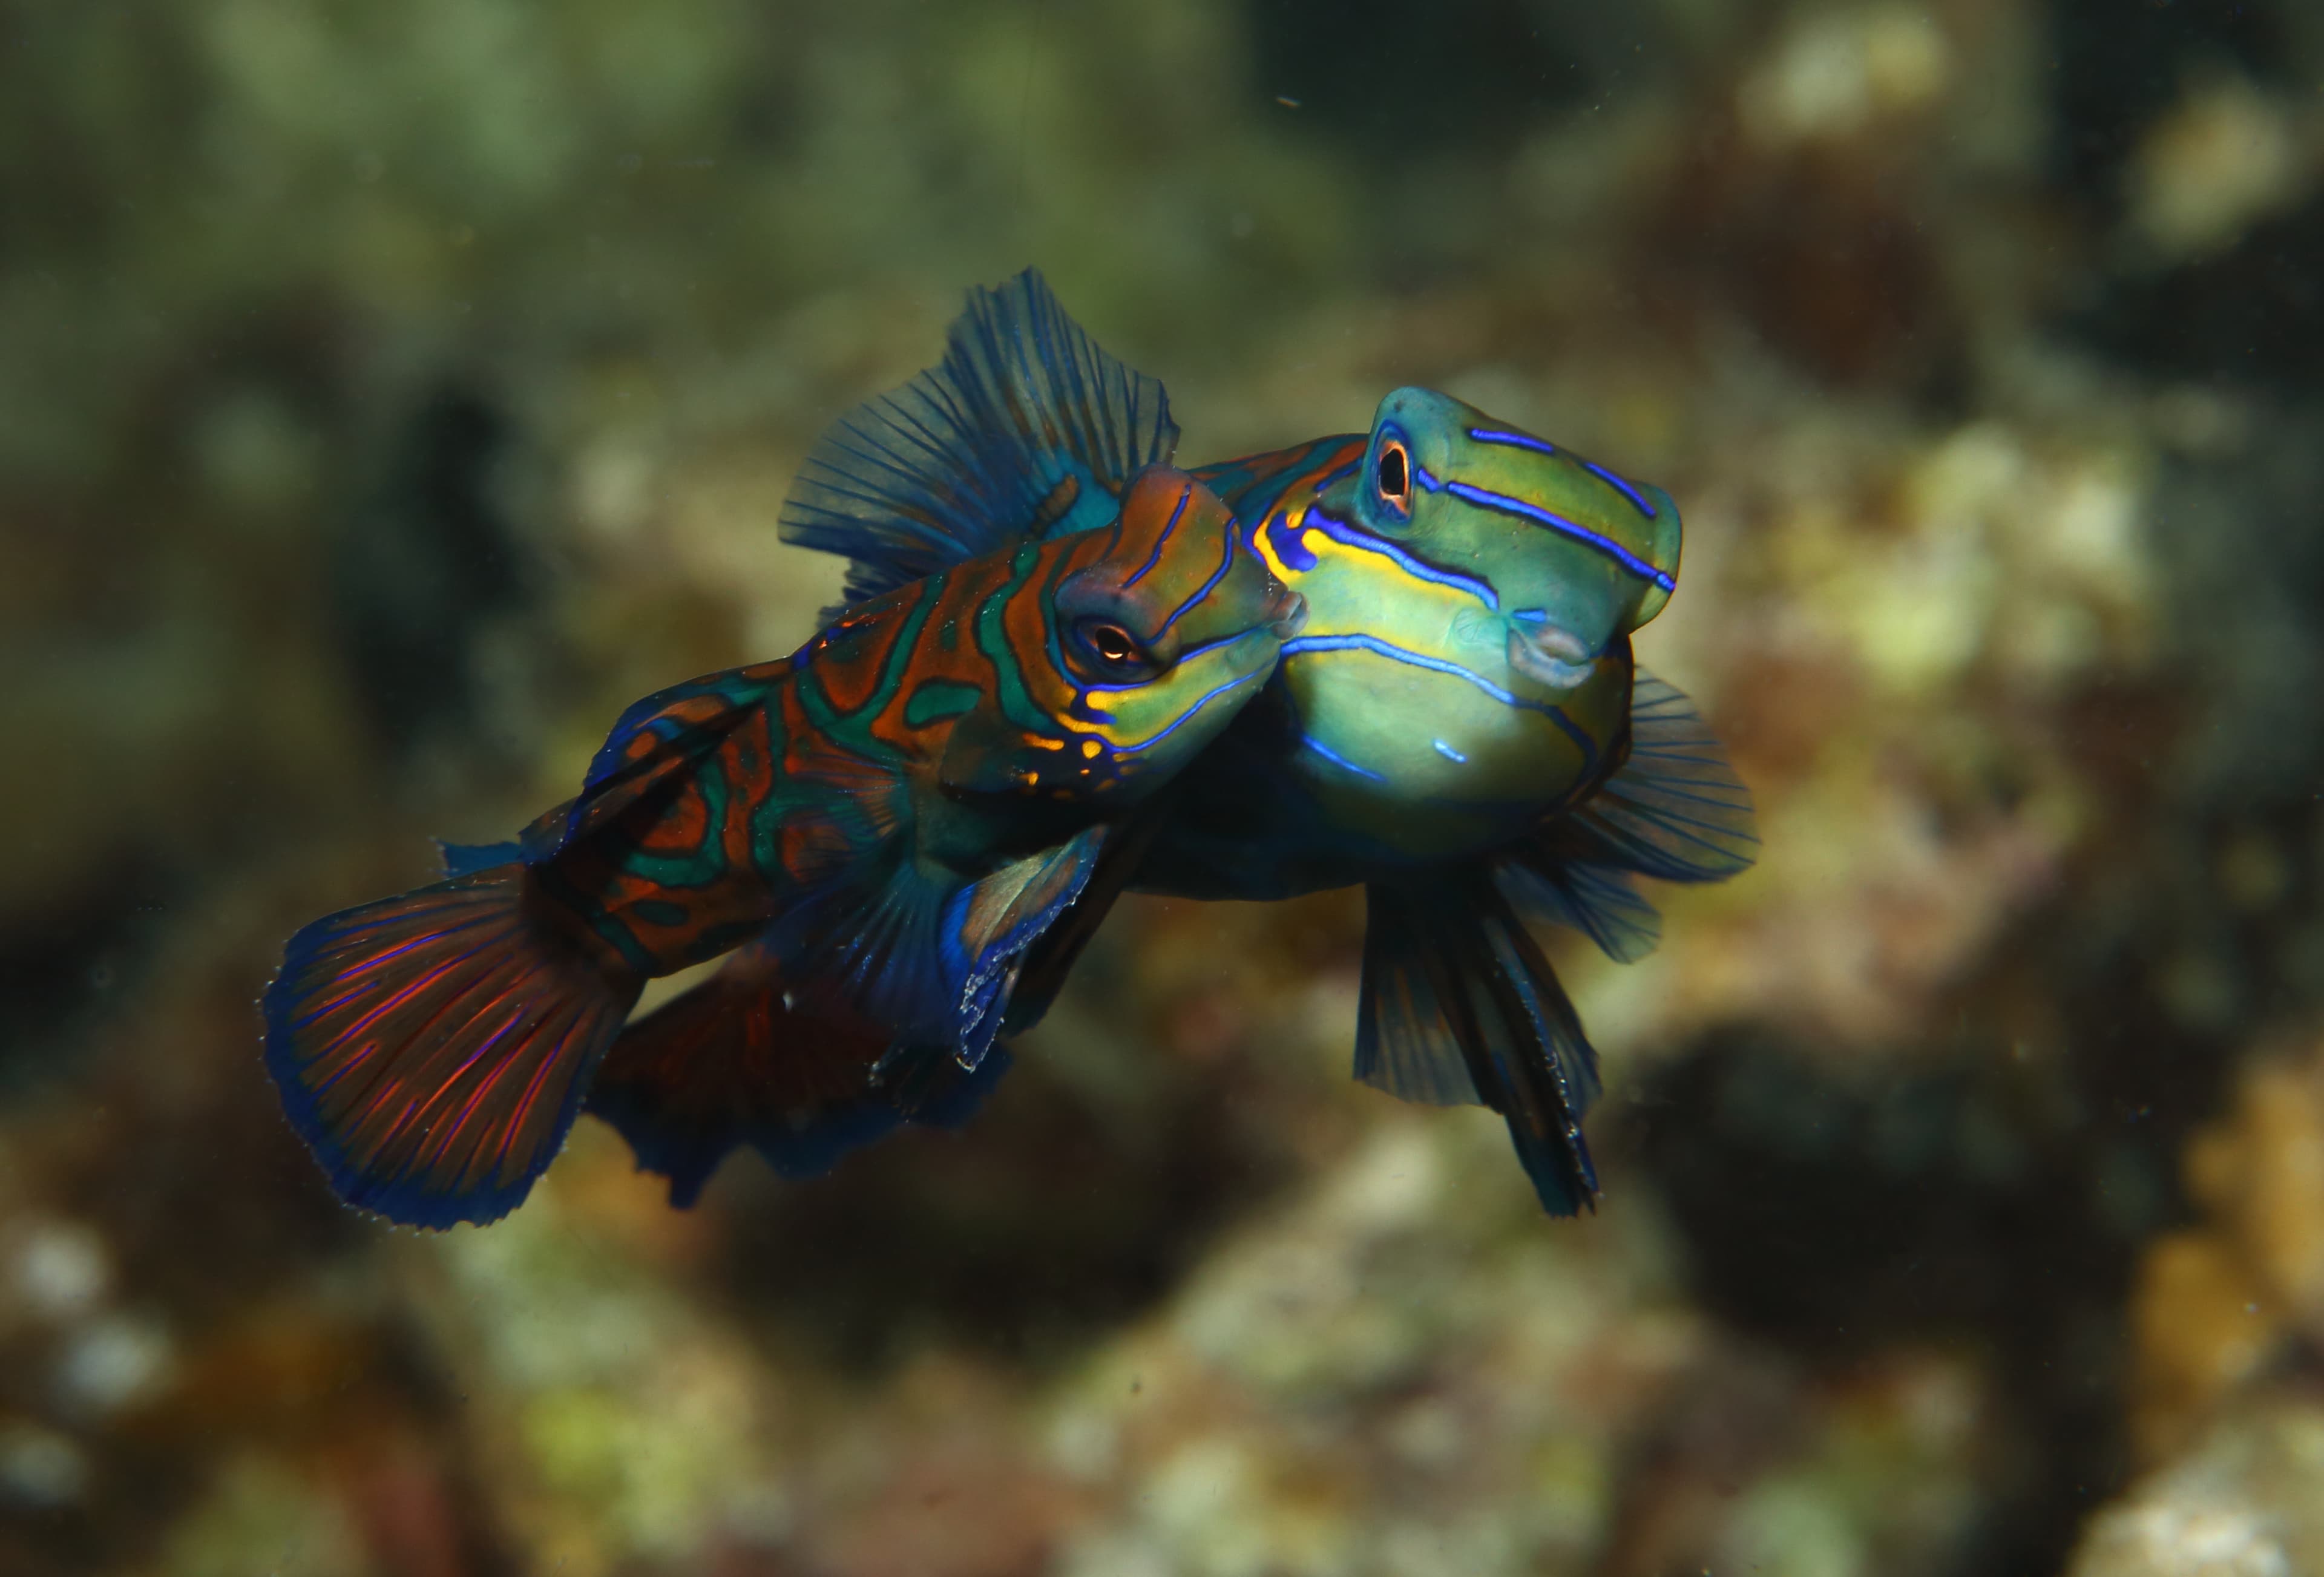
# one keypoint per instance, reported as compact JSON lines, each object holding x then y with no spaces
{"x":896,"y":813}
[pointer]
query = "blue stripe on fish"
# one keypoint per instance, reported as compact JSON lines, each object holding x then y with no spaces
{"x":1516,"y":440}
{"x":1287,"y":540}
{"x":1161,"y":542}
{"x":1624,"y":488}
{"x":1337,"y":760}
{"x":1226,"y":562}
{"x":1354,"y":535}
{"x":1379,"y":648}
{"x":1185,"y":717}
{"x":1448,"y":753}
{"x":1521,"y":440}
{"x":1505,"y":504}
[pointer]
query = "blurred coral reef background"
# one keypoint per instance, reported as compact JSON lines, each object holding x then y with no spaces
{"x":388,"y":396}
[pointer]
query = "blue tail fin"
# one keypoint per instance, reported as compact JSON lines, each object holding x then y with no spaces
{"x":432,"y":1049}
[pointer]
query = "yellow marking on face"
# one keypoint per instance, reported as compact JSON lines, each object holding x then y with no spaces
{"x":1091,"y":747}
{"x":1343,"y":588}
{"x":1047,"y":744}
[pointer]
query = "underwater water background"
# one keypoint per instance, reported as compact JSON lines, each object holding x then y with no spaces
{"x":388,"y":395}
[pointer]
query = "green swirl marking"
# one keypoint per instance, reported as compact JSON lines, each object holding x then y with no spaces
{"x":1017,"y":702}
{"x":935,"y":700}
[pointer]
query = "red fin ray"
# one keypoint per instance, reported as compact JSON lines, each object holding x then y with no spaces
{"x":432,"y":1049}
{"x":732,"y":1062}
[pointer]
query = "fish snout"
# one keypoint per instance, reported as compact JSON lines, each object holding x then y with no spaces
{"x":1290,"y":613}
{"x":1551,"y":655}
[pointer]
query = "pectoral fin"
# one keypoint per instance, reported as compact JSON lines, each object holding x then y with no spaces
{"x":1675,"y":811}
{"x":1001,"y":918}
{"x":932,"y":960}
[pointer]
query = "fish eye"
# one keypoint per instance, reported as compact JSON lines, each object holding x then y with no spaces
{"x":1113,"y":647}
{"x":1393,"y":473}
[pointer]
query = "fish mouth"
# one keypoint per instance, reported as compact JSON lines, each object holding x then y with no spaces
{"x":1292,"y":618}
{"x":1551,"y":656}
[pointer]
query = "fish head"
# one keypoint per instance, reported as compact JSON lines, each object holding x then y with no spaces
{"x":1466,"y":668}
{"x":1164,"y":627}
{"x":1574,"y":555}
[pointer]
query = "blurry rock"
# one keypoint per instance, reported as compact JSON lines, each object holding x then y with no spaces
{"x":1840,"y":72}
{"x":2247,"y":1502}
{"x":263,"y":1510}
{"x":2216,"y":1304}
{"x":2117,"y":71}
{"x":2228,"y":154}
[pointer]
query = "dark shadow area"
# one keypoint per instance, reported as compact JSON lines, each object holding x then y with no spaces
{"x":1034,"y":1230}
{"x":426,"y":562}
{"x":1472,"y":75}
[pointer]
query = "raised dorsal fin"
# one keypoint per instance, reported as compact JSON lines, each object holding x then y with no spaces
{"x":1025,"y":428}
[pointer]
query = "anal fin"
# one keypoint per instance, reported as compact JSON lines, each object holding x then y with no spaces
{"x":739,"y":1060}
{"x":731,"y":1062}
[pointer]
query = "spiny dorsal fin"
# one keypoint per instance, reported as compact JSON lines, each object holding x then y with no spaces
{"x":1026,"y":428}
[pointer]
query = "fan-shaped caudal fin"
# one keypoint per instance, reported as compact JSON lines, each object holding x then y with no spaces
{"x":732,"y":1062}
{"x":432,"y":1049}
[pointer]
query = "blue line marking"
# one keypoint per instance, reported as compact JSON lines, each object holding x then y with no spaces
{"x":1337,"y":760}
{"x":1226,"y":562}
{"x":1192,"y":653}
{"x":1581,"y":742}
{"x":1555,"y":523}
{"x":1356,"y":537}
{"x":1448,"y":753}
{"x":1532,"y":615}
{"x":1162,"y":541}
{"x":1379,"y":648}
{"x":1336,"y":471}
{"x":1516,"y":440}
{"x":1286,"y":537}
{"x":1620,"y":486}
{"x":1420,"y":474}
{"x":1184,"y":717}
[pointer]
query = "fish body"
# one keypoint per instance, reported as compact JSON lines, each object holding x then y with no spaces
{"x":1460,"y":728}
{"x":895,"y":813}
{"x":962,"y":709}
